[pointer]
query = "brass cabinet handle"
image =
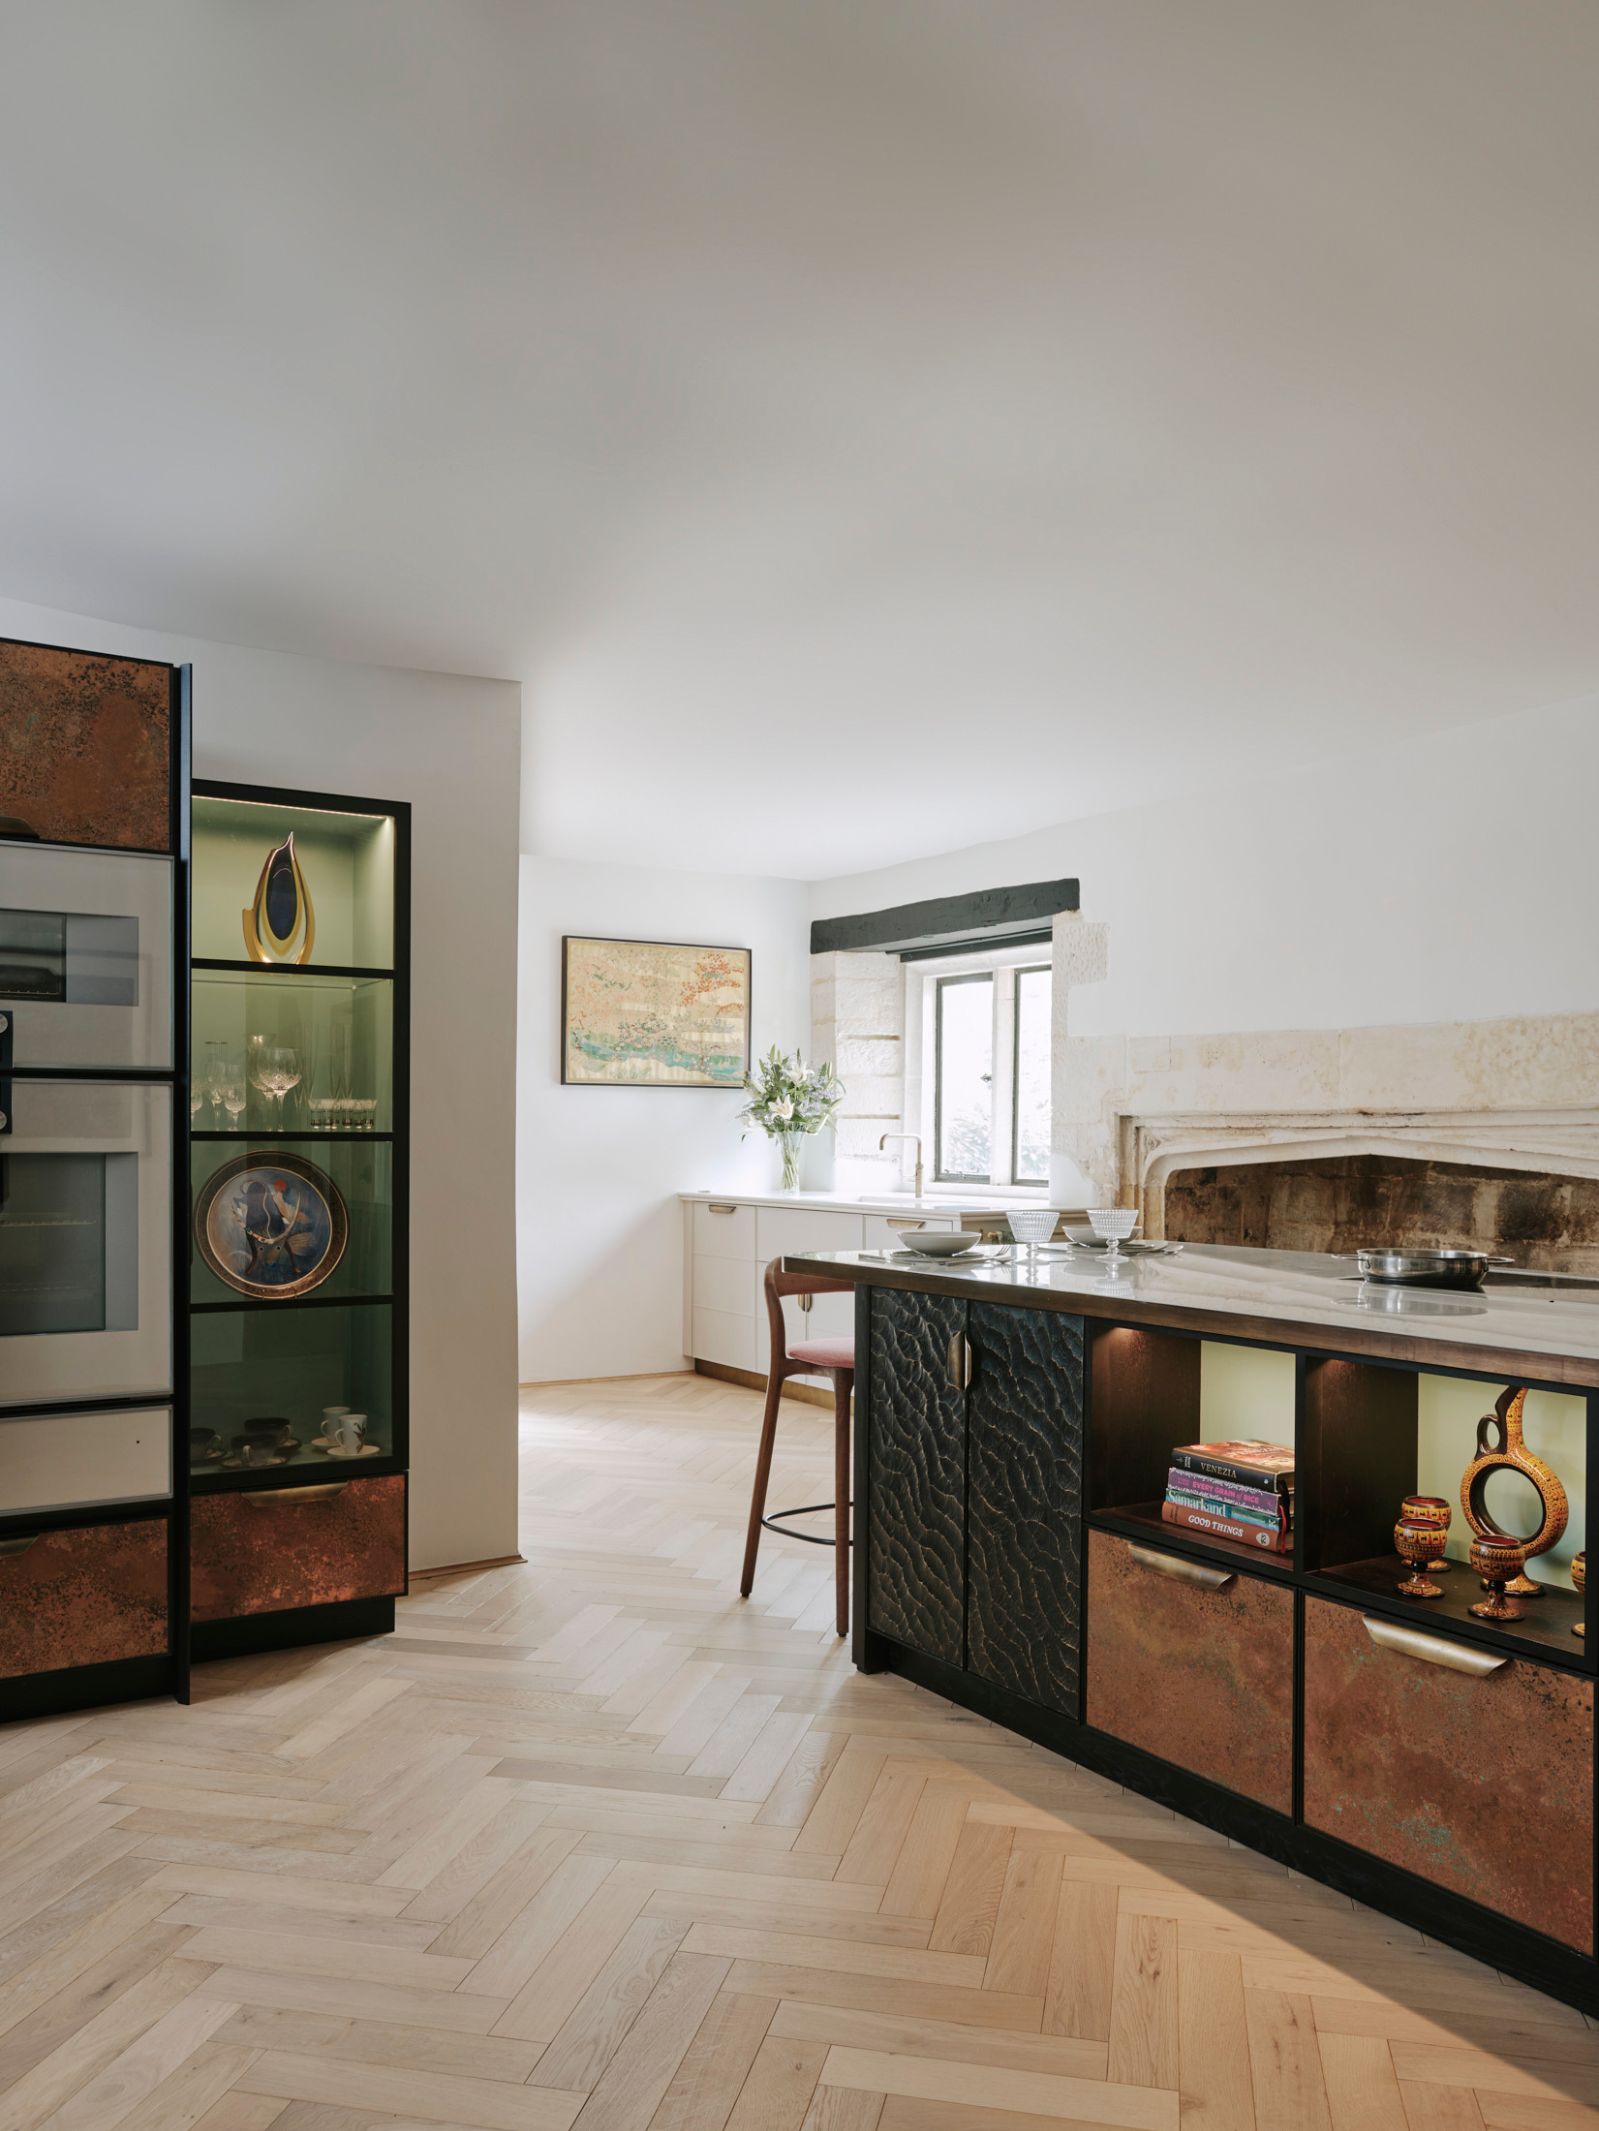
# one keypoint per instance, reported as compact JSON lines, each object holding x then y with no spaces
{"x":721,"y":1209}
{"x":805,"y":1302}
{"x":18,"y":1546}
{"x":1432,"y":1649}
{"x":259,"y":1497}
{"x":1181,"y":1570}
{"x":899,"y":1220}
{"x":958,"y":1363}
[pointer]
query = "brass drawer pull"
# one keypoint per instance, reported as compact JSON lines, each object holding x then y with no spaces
{"x":1432,"y":1649}
{"x":259,"y":1497}
{"x":899,"y":1220}
{"x":958,"y":1363}
{"x":721,"y":1209}
{"x":17,"y":1546}
{"x":1181,"y":1570}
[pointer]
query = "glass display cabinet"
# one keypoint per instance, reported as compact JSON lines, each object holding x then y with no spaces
{"x":297,"y":1438}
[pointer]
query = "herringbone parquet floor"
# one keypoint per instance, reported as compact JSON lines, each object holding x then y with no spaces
{"x":589,"y":1842}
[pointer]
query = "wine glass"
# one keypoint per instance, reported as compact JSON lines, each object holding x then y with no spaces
{"x":279,"y":1071}
{"x":1113,"y":1225}
{"x":235,"y":1094}
{"x":212,"y":1075}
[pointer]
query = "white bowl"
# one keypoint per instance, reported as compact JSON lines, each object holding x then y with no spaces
{"x":939,"y":1242}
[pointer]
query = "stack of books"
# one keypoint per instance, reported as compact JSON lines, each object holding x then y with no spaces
{"x":1242,"y":1491}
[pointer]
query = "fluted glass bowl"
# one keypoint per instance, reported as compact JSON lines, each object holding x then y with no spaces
{"x":1032,"y":1225}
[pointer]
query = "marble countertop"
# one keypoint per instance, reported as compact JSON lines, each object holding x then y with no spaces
{"x":1538,"y":1324}
{"x":846,"y":1202}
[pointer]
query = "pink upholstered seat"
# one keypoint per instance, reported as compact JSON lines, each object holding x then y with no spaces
{"x":824,"y":1353}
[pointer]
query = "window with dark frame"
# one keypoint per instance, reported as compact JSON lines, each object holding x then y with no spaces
{"x":989,"y":1032}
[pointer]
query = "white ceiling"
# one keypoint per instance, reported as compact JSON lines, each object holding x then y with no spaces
{"x":863,"y":428}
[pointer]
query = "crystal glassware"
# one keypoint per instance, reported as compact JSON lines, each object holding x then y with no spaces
{"x":234,"y":1097}
{"x":1414,"y":1541}
{"x":324,"y":1113}
{"x":1032,"y":1226}
{"x":1113,"y":1225}
{"x":1432,"y":1510}
{"x":277,"y":1071}
{"x":1496,"y":1561}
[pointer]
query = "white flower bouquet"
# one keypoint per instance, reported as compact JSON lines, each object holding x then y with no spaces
{"x":788,"y":1100}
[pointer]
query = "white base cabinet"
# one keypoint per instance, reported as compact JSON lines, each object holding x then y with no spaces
{"x":727,"y":1246}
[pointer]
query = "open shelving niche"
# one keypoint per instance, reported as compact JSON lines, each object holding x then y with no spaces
{"x":344,"y":1342}
{"x":1365,"y":1434}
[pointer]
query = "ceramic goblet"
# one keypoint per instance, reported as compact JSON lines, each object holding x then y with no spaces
{"x":1579,"y":1583}
{"x":1433,"y":1510}
{"x":1496,"y":1561}
{"x":1414,"y":1541}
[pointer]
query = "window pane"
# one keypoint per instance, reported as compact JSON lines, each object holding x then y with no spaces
{"x":964,"y":1102}
{"x":1032,"y":1076}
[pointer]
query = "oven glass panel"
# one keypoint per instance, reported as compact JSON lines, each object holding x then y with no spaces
{"x":68,"y":1243}
{"x":74,"y":958}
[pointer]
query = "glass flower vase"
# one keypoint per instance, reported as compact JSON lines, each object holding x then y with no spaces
{"x":790,"y":1144}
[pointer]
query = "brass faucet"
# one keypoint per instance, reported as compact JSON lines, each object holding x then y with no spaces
{"x":915,"y":1139}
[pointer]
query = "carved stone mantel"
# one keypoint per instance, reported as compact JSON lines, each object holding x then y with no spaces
{"x":1542,"y":1142}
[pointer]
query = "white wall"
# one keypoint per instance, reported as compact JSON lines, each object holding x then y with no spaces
{"x":451,"y":746}
{"x":600,"y":1236}
{"x":1446,"y":879}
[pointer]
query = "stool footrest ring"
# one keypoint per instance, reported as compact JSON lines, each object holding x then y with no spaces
{"x":775,"y":1523}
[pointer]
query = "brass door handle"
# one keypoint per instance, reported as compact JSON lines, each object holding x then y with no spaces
{"x":958,"y":1363}
{"x":1432,"y":1649}
{"x":721,"y":1209}
{"x":17,"y":1546}
{"x":1181,"y":1570}
{"x":259,"y":1497}
{"x":899,"y":1220}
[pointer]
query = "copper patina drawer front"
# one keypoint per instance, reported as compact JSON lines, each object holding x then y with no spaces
{"x":276,"y":1549}
{"x":1201,"y":1675}
{"x":1480,"y":1783}
{"x":84,"y":1597}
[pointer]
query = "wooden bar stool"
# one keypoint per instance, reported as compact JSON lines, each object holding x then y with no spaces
{"x":806,"y":1357}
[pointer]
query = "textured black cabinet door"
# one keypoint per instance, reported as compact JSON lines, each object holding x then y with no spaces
{"x":916,"y":1524}
{"x":1024,"y":1502}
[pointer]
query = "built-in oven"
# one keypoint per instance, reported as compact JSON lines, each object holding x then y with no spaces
{"x":86,"y":957}
{"x":85,"y":1240}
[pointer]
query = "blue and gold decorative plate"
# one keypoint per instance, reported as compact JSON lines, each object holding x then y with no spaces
{"x":271,"y":1226}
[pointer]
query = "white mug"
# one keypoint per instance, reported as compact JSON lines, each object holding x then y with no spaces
{"x":346,"y":1431}
{"x":331,"y":1413}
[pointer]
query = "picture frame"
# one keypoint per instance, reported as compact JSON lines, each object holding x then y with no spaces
{"x":654,"y":1013}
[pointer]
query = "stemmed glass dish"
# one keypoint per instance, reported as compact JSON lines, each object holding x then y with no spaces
{"x":1031,"y":1227}
{"x":1113,"y":1225}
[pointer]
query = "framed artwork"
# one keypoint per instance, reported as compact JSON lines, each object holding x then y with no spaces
{"x":271,"y":1225}
{"x":653,"y":1014}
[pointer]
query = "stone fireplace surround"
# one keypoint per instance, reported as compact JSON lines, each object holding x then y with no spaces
{"x":1514,"y":1096}
{"x":1518,"y":1095}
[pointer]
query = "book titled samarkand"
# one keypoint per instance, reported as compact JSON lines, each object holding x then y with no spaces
{"x":1246,"y":1463}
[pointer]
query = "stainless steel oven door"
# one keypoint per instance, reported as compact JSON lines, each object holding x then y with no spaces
{"x":85,"y":1242}
{"x":86,"y":957}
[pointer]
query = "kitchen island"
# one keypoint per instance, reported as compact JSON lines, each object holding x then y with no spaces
{"x":1015,"y":1424}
